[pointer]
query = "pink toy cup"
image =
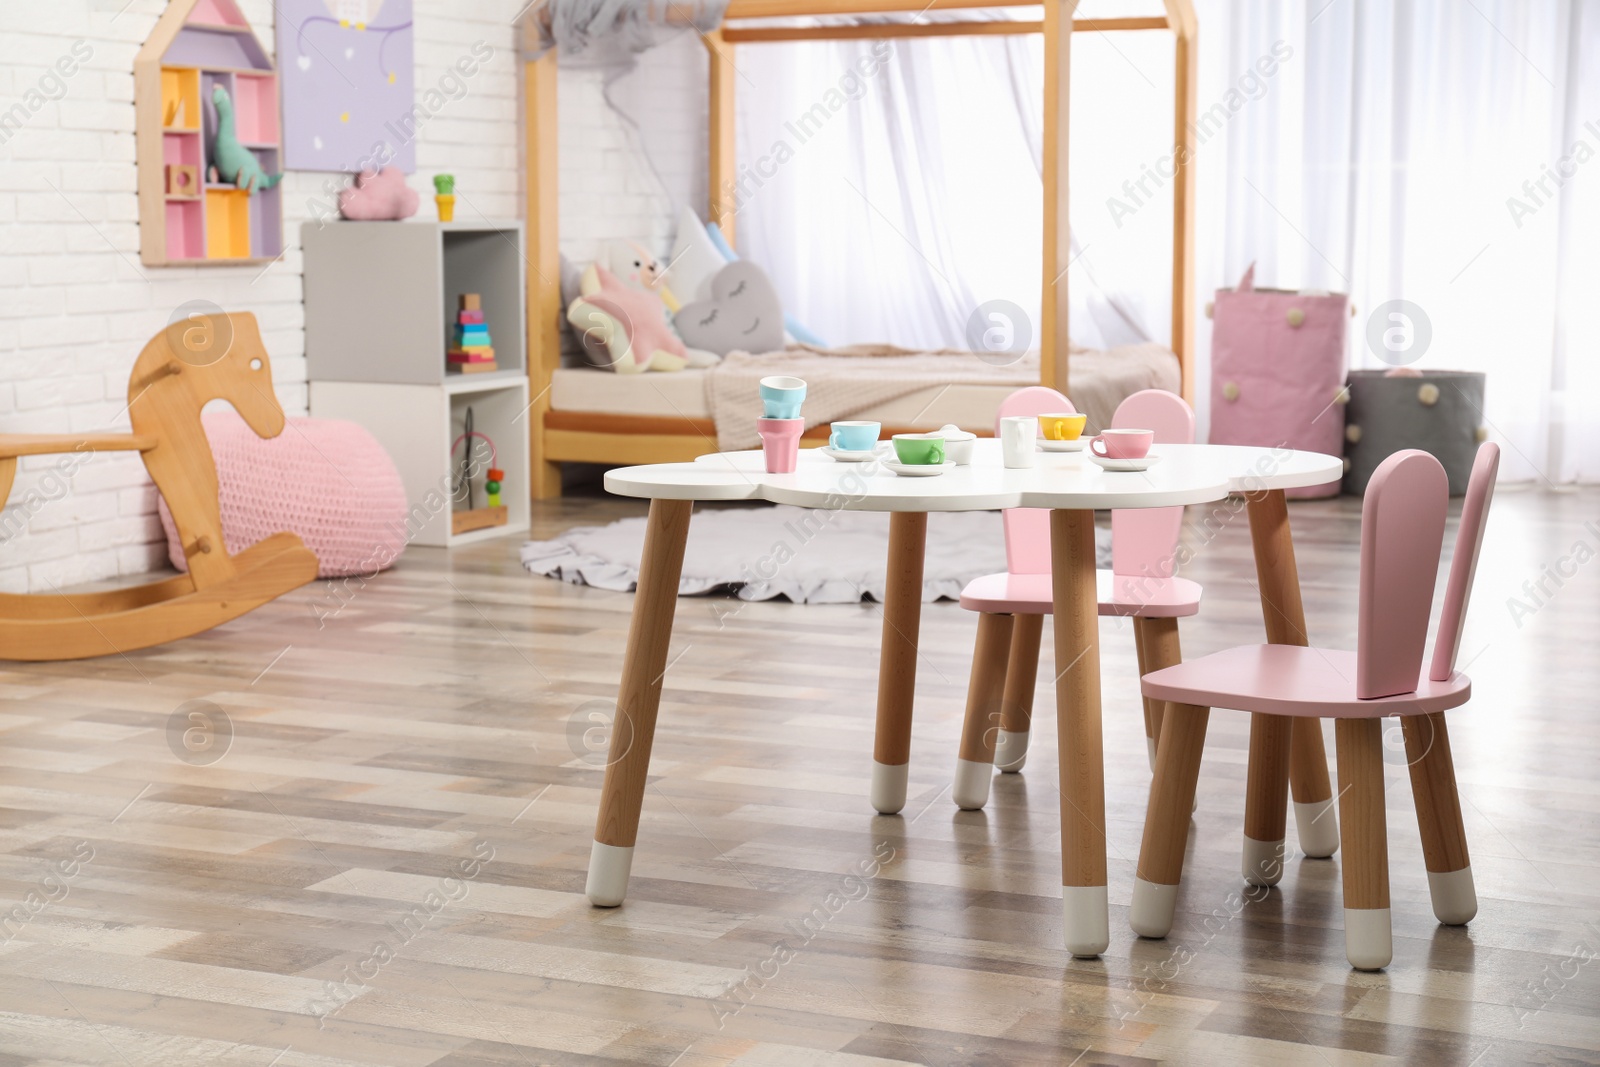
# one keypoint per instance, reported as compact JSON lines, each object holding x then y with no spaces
{"x":1123,"y":444}
{"x":780,"y":443}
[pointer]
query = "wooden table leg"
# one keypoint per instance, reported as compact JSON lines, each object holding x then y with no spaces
{"x":633,"y":729}
{"x":897,"y":663}
{"x":1285,"y":618}
{"x":1083,"y":787}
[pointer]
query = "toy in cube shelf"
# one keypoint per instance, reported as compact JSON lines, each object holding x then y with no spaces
{"x":493,"y":513}
{"x":444,"y":188}
{"x":232,"y":161}
{"x":471,"y":350}
{"x":183,"y":179}
{"x":491,"y":488}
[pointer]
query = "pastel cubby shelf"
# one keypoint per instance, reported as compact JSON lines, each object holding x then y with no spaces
{"x":184,"y":216}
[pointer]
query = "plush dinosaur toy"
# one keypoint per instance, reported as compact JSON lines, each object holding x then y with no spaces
{"x":232,"y":160}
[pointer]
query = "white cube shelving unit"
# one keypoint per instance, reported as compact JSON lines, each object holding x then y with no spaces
{"x":380,"y":299}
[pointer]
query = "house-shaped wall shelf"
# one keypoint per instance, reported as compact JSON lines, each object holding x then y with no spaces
{"x":184,"y":216}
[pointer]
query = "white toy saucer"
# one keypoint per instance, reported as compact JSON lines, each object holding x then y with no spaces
{"x":1064,"y":446}
{"x":917,"y":470}
{"x":848,"y":455}
{"x":1143,"y":464}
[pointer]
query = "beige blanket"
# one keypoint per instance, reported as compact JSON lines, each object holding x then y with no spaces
{"x":842,"y":382}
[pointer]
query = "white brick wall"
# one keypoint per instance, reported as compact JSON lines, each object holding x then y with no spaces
{"x":76,"y":305}
{"x":608,"y":189}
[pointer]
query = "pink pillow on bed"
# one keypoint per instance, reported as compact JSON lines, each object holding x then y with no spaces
{"x":325,"y":479}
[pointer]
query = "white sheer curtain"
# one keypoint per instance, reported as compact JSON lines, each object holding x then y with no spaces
{"x":1378,"y":158}
{"x":1382,"y":161}
{"x":918,"y":199}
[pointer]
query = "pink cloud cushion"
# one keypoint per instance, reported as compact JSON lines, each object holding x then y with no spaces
{"x":325,"y":479}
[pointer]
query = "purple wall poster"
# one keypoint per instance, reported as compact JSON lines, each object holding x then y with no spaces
{"x":347,"y":77}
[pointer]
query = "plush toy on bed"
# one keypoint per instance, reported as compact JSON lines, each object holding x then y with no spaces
{"x":636,"y":268}
{"x":742,"y":314}
{"x":699,"y":251}
{"x":631,"y":324}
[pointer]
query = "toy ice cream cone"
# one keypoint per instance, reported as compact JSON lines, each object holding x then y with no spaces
{"x":445,"y":186}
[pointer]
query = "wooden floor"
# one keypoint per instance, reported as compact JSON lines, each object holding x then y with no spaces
{"x":367,"y":844}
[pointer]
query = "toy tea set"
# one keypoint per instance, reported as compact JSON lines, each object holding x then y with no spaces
{"x":924,"y":455}
{"x":915,"y":455}
{"x":1023,"y":436}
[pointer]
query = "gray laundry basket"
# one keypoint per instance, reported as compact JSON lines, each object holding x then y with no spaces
{"x":1440,"y":412}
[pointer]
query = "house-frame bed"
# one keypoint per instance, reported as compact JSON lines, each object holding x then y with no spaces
{"x":624,"y":438}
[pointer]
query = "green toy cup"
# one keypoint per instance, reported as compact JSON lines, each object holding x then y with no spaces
{"x":919,"y":449}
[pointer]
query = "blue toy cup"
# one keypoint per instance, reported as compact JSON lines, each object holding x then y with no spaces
{"x":854,"y":436}
{"x":782,"y":395}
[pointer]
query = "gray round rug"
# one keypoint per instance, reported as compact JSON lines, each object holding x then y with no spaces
{"x":810,"y":556}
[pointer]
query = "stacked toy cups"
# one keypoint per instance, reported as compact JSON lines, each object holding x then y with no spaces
{"x":780,"y":428}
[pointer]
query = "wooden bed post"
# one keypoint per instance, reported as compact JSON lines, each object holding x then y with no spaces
{"x":724,"y":163}
{"x":1053,"y":335}
{"x":544,"y":251}
{"x":1181,"y":19}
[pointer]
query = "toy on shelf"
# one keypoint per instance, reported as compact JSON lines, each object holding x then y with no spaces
{"x":207,"y":139}
{"x":471,"y":350}
{"x":171,"y":382}
{"x":231,"y":159}
{"x":471,"y":517}
{"x":379,"y":196}
{"x":491,"y":487}
{"x":444,"y":187}
{"x":183,"y":181}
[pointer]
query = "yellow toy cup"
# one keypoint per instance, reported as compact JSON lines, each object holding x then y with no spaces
{"x":447,"y":206}
{"x":1061,"y":427}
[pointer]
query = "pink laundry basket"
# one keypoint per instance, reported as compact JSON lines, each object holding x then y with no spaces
{"x":1278,"y":370}
{"x":325,"y":479}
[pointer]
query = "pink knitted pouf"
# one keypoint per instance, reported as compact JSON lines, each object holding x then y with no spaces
{"x":325,"y":479}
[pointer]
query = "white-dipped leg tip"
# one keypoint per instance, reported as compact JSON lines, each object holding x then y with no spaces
{"x":1262,"y":861}
{"x":971,"y":789}
{"x":889,"y":787}
{"x":1368,"y":938}
{"x":1152,"y":909}
{"x":1088,"y":927}
{"x":1317,"y":825}
{"x":1010,"y":750}
{"x":609,"y":866}
{"x":1455,"y":898}
{"x":1150,"y":749}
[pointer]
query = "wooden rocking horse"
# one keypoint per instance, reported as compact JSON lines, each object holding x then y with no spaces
{"x":181,"y":369}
